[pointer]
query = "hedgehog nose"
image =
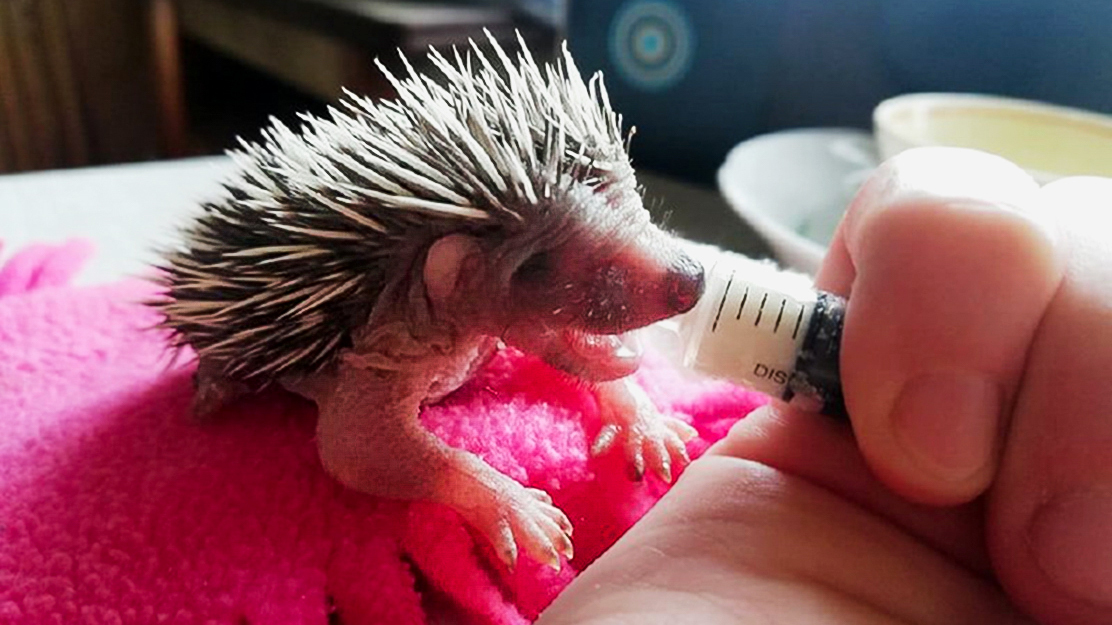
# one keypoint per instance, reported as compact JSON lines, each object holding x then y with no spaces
{"x":685,"y":282}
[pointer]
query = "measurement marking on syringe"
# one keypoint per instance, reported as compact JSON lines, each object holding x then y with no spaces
{"x":779,"y":316}
{"x":725,"y":293}
{"x":798,"y":320}
{"x":760,"y":311}
{"x":742,"y":306}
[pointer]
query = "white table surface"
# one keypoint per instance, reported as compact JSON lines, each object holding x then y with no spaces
{"x":127,"y":211}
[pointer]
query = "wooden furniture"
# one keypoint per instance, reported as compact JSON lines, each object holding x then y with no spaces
{"x":316,"y":47}
{"x":75,"y":83}
{"x":322,"y":46}
{"x":87,"y":82}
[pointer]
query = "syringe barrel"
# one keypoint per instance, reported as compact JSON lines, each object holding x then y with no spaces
{"x":769,"y":330}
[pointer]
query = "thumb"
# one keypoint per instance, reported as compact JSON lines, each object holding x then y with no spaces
{"x":948,"y":268}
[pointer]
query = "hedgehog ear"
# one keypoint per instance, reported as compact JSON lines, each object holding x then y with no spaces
{"x":444,"y":264}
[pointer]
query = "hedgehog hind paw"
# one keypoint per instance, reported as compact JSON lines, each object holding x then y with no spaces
{"x":512,"y":518}
{"x":209,"y":398}
{"x":211,"y":392}
{"x":527,"y":522}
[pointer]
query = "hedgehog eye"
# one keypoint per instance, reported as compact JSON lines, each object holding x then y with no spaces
{"x":536,"y":268}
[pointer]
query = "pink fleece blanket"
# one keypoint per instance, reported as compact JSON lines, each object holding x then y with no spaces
{"x":116,"y":508}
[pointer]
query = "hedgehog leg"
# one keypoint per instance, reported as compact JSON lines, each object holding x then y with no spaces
{"x":211,"y":390}
{"x":650,"y":439}
{"x":371,"y":440}
{"x":446,"y":385}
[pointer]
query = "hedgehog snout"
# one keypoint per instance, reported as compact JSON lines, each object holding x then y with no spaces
{"x":684,"y":284}
{"x":637,"y":288}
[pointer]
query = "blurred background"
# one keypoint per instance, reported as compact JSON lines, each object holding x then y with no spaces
{"x":92,"y":82}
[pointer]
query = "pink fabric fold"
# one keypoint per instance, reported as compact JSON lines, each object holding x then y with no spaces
{"x":115,"y":507}
{"x":43,"y":265}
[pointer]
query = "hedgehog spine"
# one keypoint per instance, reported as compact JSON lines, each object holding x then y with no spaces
{"x":351,"y":187}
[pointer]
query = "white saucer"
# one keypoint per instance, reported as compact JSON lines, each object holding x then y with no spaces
{"x":793,"y":186}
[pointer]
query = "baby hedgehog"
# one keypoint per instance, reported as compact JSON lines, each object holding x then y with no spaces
{"x":375,"y":260}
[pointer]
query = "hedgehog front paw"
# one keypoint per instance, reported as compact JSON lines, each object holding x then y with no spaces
{"x":526,"y":517}
{"x":651,"y":440}
{"x":510,"y":516}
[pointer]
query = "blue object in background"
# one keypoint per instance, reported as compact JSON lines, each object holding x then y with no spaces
{"x":664,"y":64}
{"x":698,"y":76}
{"x":651,"y":44}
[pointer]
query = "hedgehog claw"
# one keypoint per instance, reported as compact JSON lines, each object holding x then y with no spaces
{"x":652,"y":441}
{"x":512,"y":517}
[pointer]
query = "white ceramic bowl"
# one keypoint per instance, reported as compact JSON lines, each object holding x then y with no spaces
{"x":793,"y":186}
{"x":1048,"y":141}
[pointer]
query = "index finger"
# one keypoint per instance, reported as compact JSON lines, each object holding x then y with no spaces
{"x":948,"y":265}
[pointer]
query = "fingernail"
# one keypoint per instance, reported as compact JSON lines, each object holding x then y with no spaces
{"x":1071,"y":540}
{"x":947,"y":423}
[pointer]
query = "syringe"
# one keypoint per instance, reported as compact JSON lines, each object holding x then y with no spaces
{"x":767,"y":329}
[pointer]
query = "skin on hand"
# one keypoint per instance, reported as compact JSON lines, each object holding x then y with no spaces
{"x":945,"y":290}
{"x":975,"y":366}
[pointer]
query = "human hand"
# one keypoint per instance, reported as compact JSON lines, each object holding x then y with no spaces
{"x":976,"y":486}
